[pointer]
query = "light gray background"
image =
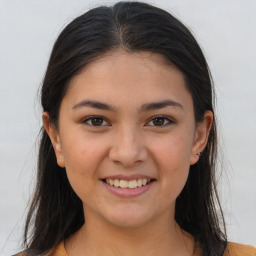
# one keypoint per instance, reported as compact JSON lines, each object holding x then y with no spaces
{"x":226,"y":32}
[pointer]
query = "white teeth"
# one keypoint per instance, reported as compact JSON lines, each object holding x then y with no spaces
{"x":123,"y":184}
{"x":116,"y":183}
{"x":139,"y":182}
{"x":127,"y":184}
{"x":132,"y":184}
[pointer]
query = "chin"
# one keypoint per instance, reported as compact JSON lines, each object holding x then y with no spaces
{"x":129,"y":218}
{"x":127,"y":223}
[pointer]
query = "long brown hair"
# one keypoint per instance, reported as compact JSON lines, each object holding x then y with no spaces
{"x":56,"y":212}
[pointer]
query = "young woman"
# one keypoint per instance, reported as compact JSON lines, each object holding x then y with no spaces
{"x":127,"y":155}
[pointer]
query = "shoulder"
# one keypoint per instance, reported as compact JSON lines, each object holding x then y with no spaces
{"x":59,"y":250}
{"x":20,"y":254}
{"x":235,"y":249}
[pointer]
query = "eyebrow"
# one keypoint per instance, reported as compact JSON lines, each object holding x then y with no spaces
{"x":94,"y":104}
{"x":160,"y":104}
{"x":145,"y":107}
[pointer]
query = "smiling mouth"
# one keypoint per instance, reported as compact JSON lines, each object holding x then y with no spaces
{"x":132,"y":184}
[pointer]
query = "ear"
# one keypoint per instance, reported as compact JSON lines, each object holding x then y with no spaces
{"x":54,"y":137}
{"x":201,"y":136}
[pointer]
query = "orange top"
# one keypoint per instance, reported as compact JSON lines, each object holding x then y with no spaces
{"x":233,"y":249}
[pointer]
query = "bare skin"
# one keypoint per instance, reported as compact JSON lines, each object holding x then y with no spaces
{"x":155,"y":239}
{"x":127,"y":116}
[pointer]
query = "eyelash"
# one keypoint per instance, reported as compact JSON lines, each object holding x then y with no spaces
{"x":167,"y":121}
{"x":88,"y":121}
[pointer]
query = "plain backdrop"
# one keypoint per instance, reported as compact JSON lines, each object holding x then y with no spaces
{"x":226,"y":32}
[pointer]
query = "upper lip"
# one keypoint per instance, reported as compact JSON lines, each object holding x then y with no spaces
{"x":128,"y":177}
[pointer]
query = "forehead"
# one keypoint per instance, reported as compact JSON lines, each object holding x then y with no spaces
{"x":136,"y":76}
{"x":128,"y":60}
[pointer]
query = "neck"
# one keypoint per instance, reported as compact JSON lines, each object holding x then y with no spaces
{"x":159,"y":237}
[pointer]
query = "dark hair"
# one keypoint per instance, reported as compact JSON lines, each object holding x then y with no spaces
{"x":56,"y":211}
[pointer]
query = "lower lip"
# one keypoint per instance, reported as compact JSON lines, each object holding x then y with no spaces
{"x":128,"y":192}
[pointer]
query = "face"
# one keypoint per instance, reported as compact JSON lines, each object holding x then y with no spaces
{"x":127,"y":137}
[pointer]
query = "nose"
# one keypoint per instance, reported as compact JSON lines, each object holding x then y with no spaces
{"x":128,"y":148}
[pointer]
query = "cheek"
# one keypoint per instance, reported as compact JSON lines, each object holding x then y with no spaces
{"x":173,"y":162}
{"x":83,"y":152}
{"x":82,"y":156}
{"x":174,"y":150}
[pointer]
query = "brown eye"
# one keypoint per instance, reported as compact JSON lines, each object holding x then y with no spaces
{"x":96,"y":121}
{"x":160,"y":121}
